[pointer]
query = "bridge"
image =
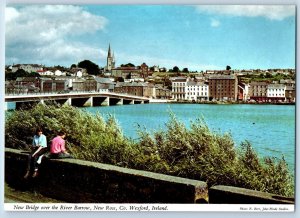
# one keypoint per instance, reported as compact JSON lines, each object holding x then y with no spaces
{"x":77,"y":99}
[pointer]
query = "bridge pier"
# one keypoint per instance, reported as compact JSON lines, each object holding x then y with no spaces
{"x":126,"y":101}
{"x":82,"y":102}
{"x":138,"y":102}
{"x":115,"y":101}
{"x":100,"y":101}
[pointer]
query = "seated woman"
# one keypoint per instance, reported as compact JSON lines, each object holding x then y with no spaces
{"x":57,"y":147}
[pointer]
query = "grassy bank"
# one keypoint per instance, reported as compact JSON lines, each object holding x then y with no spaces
{"x":195,"y":152}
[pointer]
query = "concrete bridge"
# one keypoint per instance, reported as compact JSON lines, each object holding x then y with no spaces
{"x":78,"y":99}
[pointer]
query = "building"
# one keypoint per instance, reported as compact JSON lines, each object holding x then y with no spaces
{"x":178,"y":88}
{"x":29,"y":68}
{"x":110,"y":61}
{"x":52,"y":85}
{"x":258,"y":91}
{"x":196,"y":91}
{"x":162,"y":92}
{"x":223,"y":87}
{"x":104,"y":84}
{"x":78,"y":84}
{"x":144,"y":69}
{"x":125,"y":72}
{"x":149,"y":90}
{"x":290,"y":94}
{"x":243,"y":92}
{"x":276,"y":92}
{"x":133,"y":88}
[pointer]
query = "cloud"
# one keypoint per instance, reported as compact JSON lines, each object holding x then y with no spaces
{"x":272,"y":12}
{"x":214,"y":23}
{"x":46,"y":34}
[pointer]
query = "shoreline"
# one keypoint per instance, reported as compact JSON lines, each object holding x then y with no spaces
{"x":231,"y":103}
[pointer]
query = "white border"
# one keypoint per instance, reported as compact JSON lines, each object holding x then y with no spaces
{"x":175,"y":207}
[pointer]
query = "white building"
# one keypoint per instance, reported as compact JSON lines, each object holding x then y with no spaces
{"x":276,"y":91}
{"x":178,"y":88}
{"x":195,"y":91}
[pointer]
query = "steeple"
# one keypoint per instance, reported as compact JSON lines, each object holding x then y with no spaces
{"x":109,"y":52}
{"x":110,"y":60}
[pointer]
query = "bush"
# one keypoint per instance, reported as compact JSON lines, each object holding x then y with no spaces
{"x":195,"y":152}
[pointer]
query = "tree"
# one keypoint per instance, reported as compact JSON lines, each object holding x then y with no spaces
{"x":73,"y":66}
{"x":175,"y":69}
{"x":228,"y":67}
{"x":90,"y":67}
{"x":185,"y":70}
{"x":128,"y":65}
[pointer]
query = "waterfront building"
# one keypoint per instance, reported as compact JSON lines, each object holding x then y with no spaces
{"x":104,"y":84}
{"x":276,"y":92}
{"x":149,"y":90}
{"x":178,"y":88}
{"x":162,"y":92}
{"x":290,"y":94}
{"x":132,"y":88}
{"x":196,"y":91}
{"x":223,"y":87}
{"x":53,"y":85}
{"x":78,"y":84}
{"x":33,"y":81}
{"x":243,"y":92}
{"x":258,"y":91}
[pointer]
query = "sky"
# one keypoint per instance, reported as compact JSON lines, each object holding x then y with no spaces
{"x":198,"y":37}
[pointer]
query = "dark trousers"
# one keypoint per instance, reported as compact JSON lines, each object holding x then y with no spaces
{"x":32,"y":160}
{"x":60,"y":156}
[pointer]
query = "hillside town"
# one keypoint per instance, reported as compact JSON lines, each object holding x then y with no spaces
{"x":253,"y":86}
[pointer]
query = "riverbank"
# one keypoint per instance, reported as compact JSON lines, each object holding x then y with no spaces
{"x":229,"y":103}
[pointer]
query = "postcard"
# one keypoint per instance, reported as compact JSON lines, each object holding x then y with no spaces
{"x":142,"y":107}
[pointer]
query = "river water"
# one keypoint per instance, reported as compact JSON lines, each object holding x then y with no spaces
{"x":269,"y":128}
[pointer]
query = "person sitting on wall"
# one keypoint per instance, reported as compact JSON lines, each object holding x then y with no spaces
{"x":39,"y":147}
{"x":57,"y":147}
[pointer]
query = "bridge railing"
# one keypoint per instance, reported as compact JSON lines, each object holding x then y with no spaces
{"x":72,"y":93}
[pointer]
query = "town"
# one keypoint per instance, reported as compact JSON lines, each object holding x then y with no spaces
{"x":210,"y":86}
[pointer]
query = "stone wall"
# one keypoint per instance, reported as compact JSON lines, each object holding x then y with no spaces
{"x":78,"y":181}
{"x":221,"y":194}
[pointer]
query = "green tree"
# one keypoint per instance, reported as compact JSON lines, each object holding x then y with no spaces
{"x":228,"y":67}
{"x":128,"y":65}
{"x":175,"y":69}
{"x":90,"y":67}
{"x":185,"y":70}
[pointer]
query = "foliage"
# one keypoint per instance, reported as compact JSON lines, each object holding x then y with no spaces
{"x":20,"y":73}
{"x":90,"y":67}
{"x":195,"y":152}
{"x":128,"y":65}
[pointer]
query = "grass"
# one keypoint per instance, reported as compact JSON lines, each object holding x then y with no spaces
{"x":195,"y":152}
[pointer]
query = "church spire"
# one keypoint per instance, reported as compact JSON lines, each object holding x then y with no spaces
{"x":109,"y":51}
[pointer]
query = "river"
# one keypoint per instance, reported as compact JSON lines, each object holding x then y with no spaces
{"x":269,"y":128}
